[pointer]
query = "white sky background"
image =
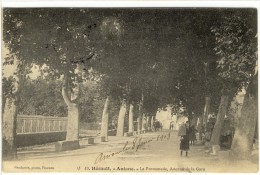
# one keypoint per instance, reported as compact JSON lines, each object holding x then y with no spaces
{"x":116,"y":3}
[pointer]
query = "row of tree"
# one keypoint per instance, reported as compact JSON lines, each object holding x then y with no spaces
{"x":146,"y":58}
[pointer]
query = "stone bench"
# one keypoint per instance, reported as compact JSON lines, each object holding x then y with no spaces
{"x":66,"y":145}
{"x":138,"y":132}
{"x":91,"y":140}
{"x":128,"y":134}
{"x":103,"y":139}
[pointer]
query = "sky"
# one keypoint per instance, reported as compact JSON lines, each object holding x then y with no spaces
{"x":8,"y":70}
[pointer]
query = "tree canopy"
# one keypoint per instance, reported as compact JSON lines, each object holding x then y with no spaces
{"x":166,"y":54}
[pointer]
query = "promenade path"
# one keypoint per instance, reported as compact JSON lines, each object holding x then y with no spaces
{"x":149,"y":152}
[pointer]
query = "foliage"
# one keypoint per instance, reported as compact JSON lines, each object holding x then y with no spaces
{"x":90,"y":103}
{"x":49,"y":38}
{"x":168,"y":58}
{"x":42,"y":97}
{"x":7,"y":86}
{"x":236,"y":46}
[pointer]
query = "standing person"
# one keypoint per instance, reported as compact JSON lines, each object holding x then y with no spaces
{"x":185,"y":145}
{"x":172,"y":126}
{"x":192,"y":135}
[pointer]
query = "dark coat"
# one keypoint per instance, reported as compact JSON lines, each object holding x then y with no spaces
{"x":185,"y":144}
{"x":192,"y":134}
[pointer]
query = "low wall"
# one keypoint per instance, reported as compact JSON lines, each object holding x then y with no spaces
{"x":30,"y":139}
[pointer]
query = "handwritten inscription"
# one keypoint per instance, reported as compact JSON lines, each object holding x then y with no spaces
{"x":164,"y":137}
{"x":135,"y":145}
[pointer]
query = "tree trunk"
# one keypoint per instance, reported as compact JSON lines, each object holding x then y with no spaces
{"x":131,"y":119}
{"x":73,"y":111}
{"x":152,"y":120}
{"x":9,"y":129}
{"x":206,"y":111}
{"x":3,"y":103}
{"x":11,"y":106}
{"x":215,"y":138}
{"x":245,"y":131}
{"x":105,"y":119}
{"x":149,"y":125}
{"x":140,"y":115}
{"x":121,"y":119}
{"x":144,"y":123}
{"x":73,"y":122}
{"x":139,"y":121}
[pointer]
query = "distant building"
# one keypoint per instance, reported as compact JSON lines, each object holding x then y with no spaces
{"x":166,"y":118}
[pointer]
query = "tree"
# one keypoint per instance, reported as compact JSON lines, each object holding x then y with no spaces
{"x":49,"y":38}
{"x":110,"y":30}
{"x":236,"y":46}
{"x":13,"y":29}
{"x":123,"y":71}
{"x":64,"y":51}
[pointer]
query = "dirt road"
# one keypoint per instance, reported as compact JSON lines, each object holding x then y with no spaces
{"x":149,"y":152}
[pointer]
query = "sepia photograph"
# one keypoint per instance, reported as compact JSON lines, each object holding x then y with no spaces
{"x":129,"y":89}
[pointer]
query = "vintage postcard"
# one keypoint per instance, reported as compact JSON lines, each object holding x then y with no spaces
{"x":130,"y":89}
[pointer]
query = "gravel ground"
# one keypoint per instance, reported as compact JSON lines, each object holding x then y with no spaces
{"x":149,"y":152}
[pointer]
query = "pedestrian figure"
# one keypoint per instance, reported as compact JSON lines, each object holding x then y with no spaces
{"x":157,"y":125}
{"x":161,"y":126}
{"x":192,"y":134}
{"x":185,"y":145}
{"x":172,"y":126}
{"x":207,"y":138}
